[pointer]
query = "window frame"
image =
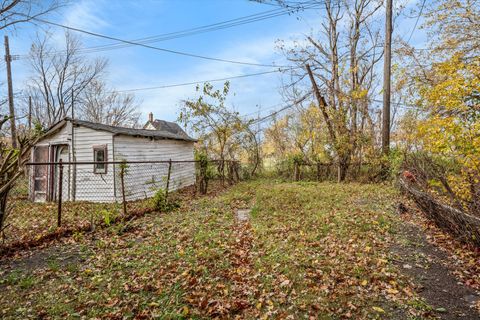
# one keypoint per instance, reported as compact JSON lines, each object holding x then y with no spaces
{"x":96,"y":148}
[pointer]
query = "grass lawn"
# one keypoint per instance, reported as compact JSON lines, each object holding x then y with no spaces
{"x":310,"y":250}
{"x":29,"y":221}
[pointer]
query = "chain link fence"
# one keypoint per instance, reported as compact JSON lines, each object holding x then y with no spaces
{"x":78,"y":196}
{"x":321,"y":171}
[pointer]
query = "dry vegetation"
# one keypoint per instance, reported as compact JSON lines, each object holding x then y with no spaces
{"x":309,"y":250}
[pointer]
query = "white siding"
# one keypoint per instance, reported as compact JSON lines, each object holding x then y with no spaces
{"x":142,"y":180}
{"x":62,"y":136}
{"x":92,"y":186}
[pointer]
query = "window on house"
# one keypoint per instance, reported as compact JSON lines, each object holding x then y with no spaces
{"x":100,"y":155}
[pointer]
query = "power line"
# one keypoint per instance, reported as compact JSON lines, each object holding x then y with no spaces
{"x":153,"y":47}
{"x":202,"y":81}
{"x":246,"y":76}
{"x":293,"y":104}
{"x":271,"y":115}
{"x":416,"y":21}
{"x":201,"y":29}
{"x":245,"y":115}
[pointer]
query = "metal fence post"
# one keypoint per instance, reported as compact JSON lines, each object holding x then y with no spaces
{"x":318,"y":171}
{"x":168,"y":178}
{"x":122,"y":181}
{"x":222,"y":171}
{"x":60,"y":180}
{"x":202,"y":175}
{"x":296,"y":171}
{"x":236,"y":166}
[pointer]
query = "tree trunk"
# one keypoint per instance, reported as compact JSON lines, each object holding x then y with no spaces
{"x":296,"y":172}
{"x":254,"y":170}
{"x":343,"y":164}
{"x":3,"y":209}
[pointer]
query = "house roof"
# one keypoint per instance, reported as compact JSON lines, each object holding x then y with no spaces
{"x":155,"y":134}
{"x":162,"y":125}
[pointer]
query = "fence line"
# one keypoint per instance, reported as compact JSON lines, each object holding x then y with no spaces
{"x":462,"y":225}
{"x":71,"y":194}
{"x":121,"y":162}
{"x":321,"y":171}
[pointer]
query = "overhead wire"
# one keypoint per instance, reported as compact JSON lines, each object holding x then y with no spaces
{"x":291,"y":105}
{"x":260,"y":110}
{"x":185,"y":33}
{"x":182,"y":53}
{"x":201,"y":29}
{"x":416,"y":21}
{"x":209,"y":80}
{"x":182,"y":33}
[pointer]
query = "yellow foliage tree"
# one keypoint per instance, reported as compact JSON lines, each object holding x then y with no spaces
{"x":451,"y":127}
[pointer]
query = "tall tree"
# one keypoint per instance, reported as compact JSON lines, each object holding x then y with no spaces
{"x":12,"y":166}
{"x":59,"y":79}
{"x":341,"y":62}
{"x":13,"y":12}
{"x":444,"y":83}
{"x":101,"y":105}
{"x":454,"y":26}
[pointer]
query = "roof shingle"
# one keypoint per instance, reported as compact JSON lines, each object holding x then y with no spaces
{"x":155,"y":134}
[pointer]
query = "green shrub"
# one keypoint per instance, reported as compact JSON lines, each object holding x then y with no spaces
{"x":161,"y":203}
{"x":107,"y":216}
{"x":204,"y":171}
{"x":395,"y":161}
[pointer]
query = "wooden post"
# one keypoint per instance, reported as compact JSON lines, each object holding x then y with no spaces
{"x":237,"y":167}
{"x":203,"y":179}
{"x":59,"y":196}
{"x":29,"y":113}
{"x":74,"y":156}
{"x":122,"y":181}
{"x":387,"y":66}
{"x":168,"y":178}
{"x":318,"y":171}
{"x":295,"y":171}
{"x":222,"y":171}
{"x":8,"y":60}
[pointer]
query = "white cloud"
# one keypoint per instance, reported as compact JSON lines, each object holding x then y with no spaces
{"x":84,"y":15}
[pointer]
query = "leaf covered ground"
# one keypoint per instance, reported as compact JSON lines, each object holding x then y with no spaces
{"x":309,"y":250}
{"x":29,"y":221}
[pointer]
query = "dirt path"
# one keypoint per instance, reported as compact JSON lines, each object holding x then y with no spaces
{"x":425,"y":264}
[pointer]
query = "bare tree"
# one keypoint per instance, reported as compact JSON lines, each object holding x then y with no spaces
{"x":216,"y":124}
{"x":98,"y":104}
{"x":12,"y":160}
{"x":12,"y":164}
{"x":13,"y":12}
{"x":340,"y":64}
{"x":59,"y":80}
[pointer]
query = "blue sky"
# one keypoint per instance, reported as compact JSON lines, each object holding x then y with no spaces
{"x":137,"y":67}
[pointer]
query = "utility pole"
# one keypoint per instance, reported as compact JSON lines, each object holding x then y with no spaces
{"x":29,"y":113}
{"x":387,"y":68}
{"x":13,"y":128}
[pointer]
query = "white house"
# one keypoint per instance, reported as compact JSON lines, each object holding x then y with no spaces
{"x":72,"y":140}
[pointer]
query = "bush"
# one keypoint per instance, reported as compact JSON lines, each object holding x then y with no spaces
{"x":161,"y":203}
{"x":204,"y":171}
{"x":107,"y":216}
{"x":443,"y":178}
